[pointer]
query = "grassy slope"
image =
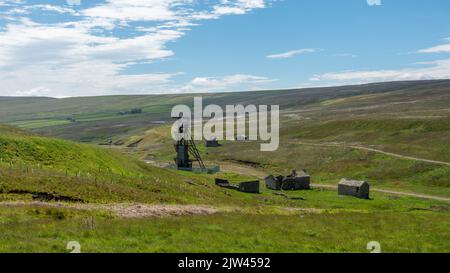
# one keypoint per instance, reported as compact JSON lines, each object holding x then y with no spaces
{"x":22,"y":148}
{"x":414,"y":121}
{"x":130,"y":180}
{"x":40,"y":164}
{"x":31,"y":164}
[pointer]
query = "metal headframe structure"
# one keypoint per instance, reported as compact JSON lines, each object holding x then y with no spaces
{"x":186,"y":149}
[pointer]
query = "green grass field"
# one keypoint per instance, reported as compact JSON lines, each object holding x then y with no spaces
{"x":44,"y":230}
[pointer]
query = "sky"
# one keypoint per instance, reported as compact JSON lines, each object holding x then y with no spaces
{"x":66,"y":48}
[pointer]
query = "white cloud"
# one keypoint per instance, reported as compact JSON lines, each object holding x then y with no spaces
{"x":226,"y":10}
{"x":71,"y":61}
{"x":84,"y":57}
{"x":4,"y":3}
{"x":28,"y":9}
{"x":374,"y":2}
{"x":439,"y":69}
{"x":290,"y":54}
{"x":226,"y":83}
{"x":445,"y":48}
{"x":134,"y":10}
{"x":433,"y":70}
{"x":238,"y":7}
{"x":54,"y":8}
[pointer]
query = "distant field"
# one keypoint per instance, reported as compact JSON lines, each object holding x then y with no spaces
{"x":34,"y":124}
{"x":424,"y":138}
{"x":97,"y":119}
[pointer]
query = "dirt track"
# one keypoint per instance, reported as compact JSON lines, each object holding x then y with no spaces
{"x":391,"y":192}
{"x":125,"y":210}
{"x":358,"y":147}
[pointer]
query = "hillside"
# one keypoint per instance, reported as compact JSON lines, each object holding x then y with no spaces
{"x":95,"y":119}
{"x":20,"y":147}
{"x":374,"y":136}
{"x":109,"y":199}
{"x":318,"y":130}
{"x":31,"y":165}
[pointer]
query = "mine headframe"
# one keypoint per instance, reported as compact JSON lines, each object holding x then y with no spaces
{"x":186,"y":150}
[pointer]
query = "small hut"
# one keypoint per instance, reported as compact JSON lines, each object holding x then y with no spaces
{"x":297,"y":181}
{"x":249,"y":187}
{"x":354,"y":188}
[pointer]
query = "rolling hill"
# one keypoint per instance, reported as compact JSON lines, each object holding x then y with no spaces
{"x":95,"y":119}
{"x":54,"y":188}
{"x":32,"y":165}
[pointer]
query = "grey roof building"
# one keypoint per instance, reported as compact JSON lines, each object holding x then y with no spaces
{"x":354,"y":188}
{"x":294,"y":181}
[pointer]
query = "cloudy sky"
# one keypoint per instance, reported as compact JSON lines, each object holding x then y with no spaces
{"x":92,"y":47}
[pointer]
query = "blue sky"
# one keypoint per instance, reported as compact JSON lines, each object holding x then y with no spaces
{"x":86,"y":48}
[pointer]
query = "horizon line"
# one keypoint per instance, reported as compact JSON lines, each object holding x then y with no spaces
{"x":229,"y":92}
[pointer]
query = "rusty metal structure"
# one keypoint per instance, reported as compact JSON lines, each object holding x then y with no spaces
{"x":186,"y":150}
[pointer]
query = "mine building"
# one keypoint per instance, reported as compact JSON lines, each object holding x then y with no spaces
{"x":354,"y":188}
{"x":294,"y":181}
{"x":247,"y":187}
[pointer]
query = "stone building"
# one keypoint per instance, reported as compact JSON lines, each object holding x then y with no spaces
{"x":273,"y":183}
{"x":354,"y":188}
{"x":223,"y":183}
{"x":294,"y":181}
{"x":247,"y":187}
